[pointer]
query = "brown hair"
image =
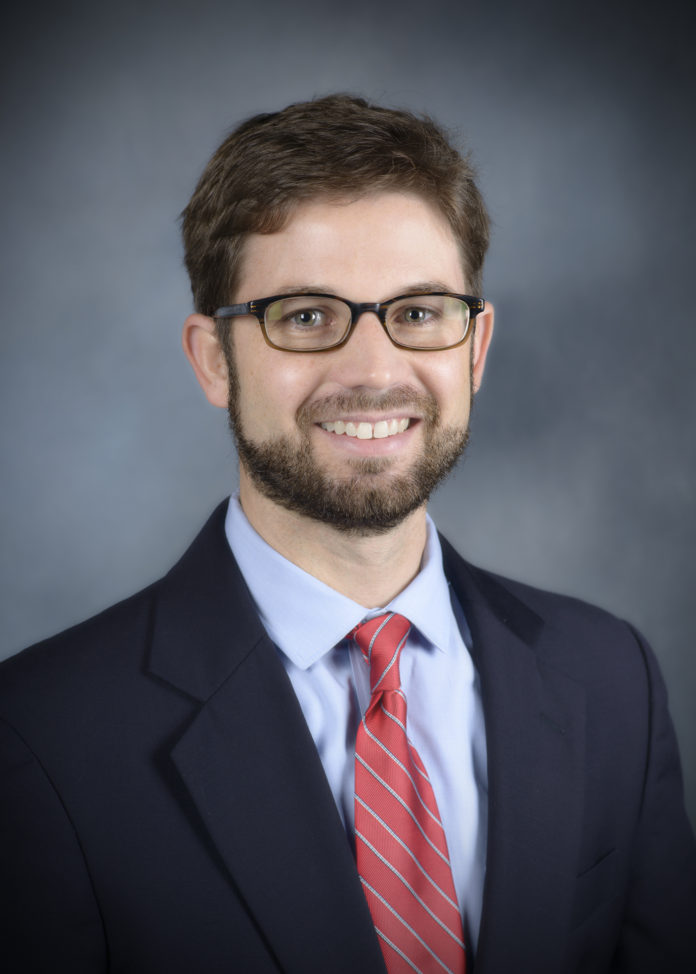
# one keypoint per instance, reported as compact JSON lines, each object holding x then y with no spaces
{"x":335,"y":147}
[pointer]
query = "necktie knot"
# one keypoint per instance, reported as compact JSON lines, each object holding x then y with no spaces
{"x":381,"y":640}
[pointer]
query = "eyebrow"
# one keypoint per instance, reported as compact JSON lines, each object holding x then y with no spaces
{"x":427,"y":287}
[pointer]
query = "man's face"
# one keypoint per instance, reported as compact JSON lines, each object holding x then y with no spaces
{"x":284,"y":406}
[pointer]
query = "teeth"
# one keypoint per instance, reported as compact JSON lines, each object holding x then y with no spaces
{"x":368,"y":431}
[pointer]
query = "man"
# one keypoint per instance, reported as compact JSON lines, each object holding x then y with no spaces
{"x":323,"y":742}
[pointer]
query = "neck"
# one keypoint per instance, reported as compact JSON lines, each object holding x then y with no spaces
{"x":369,"y":569}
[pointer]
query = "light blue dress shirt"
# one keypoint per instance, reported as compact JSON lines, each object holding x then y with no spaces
{"x":308,"y":621}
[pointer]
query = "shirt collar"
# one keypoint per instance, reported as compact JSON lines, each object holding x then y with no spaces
{"x":306,"y":618}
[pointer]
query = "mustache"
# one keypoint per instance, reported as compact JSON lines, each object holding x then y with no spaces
{"x":400,"y":398}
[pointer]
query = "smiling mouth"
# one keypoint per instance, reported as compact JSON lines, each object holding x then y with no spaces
{"x":368,"y":431}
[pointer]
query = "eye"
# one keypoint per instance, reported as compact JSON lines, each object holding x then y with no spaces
{"x":415,"y":315}
{"x":306,"y":318}
{"x":302,"y":314}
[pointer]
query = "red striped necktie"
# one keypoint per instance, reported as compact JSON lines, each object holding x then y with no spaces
{"x":400,"y":843}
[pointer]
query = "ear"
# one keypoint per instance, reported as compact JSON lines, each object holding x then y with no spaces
{"x":482,"y":339}
{"x":204,"y":352}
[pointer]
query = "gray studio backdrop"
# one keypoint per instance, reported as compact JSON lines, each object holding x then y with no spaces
{"x":580,"y":117}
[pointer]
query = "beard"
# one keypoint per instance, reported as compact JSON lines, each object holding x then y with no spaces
{"x":368,"y":500}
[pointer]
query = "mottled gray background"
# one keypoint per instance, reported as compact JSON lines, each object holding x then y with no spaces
{"x":580,"y":115}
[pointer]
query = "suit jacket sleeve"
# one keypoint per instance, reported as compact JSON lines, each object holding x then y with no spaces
{"x":49,"y":918}
{"x":659,"y":928}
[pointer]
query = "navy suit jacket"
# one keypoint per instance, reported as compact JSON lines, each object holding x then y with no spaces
{"x":163,"y":806}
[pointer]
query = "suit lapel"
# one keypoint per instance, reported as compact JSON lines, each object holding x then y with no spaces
{"x":251,"y":767}
{"x":535,"y":733}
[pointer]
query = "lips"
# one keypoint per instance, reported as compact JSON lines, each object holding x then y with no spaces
{"x":368,"y":431}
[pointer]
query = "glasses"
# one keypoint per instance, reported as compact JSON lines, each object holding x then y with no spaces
{"x":319,"y":322}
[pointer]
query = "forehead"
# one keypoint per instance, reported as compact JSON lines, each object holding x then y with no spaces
{"x":368,"y":248}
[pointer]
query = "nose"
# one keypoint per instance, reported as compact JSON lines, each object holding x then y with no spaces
{"x":369,"y":358}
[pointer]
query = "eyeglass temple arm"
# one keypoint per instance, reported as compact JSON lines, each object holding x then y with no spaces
{"x":233,"y":310}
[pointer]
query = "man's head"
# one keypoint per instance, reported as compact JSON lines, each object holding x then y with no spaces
{"x":337,"y":196}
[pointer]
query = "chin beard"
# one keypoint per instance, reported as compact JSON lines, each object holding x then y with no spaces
{"x":369,"y":500}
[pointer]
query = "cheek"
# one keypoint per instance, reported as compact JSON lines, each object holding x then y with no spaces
{"x":272,"y":386}
{"x":449,"y":381}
